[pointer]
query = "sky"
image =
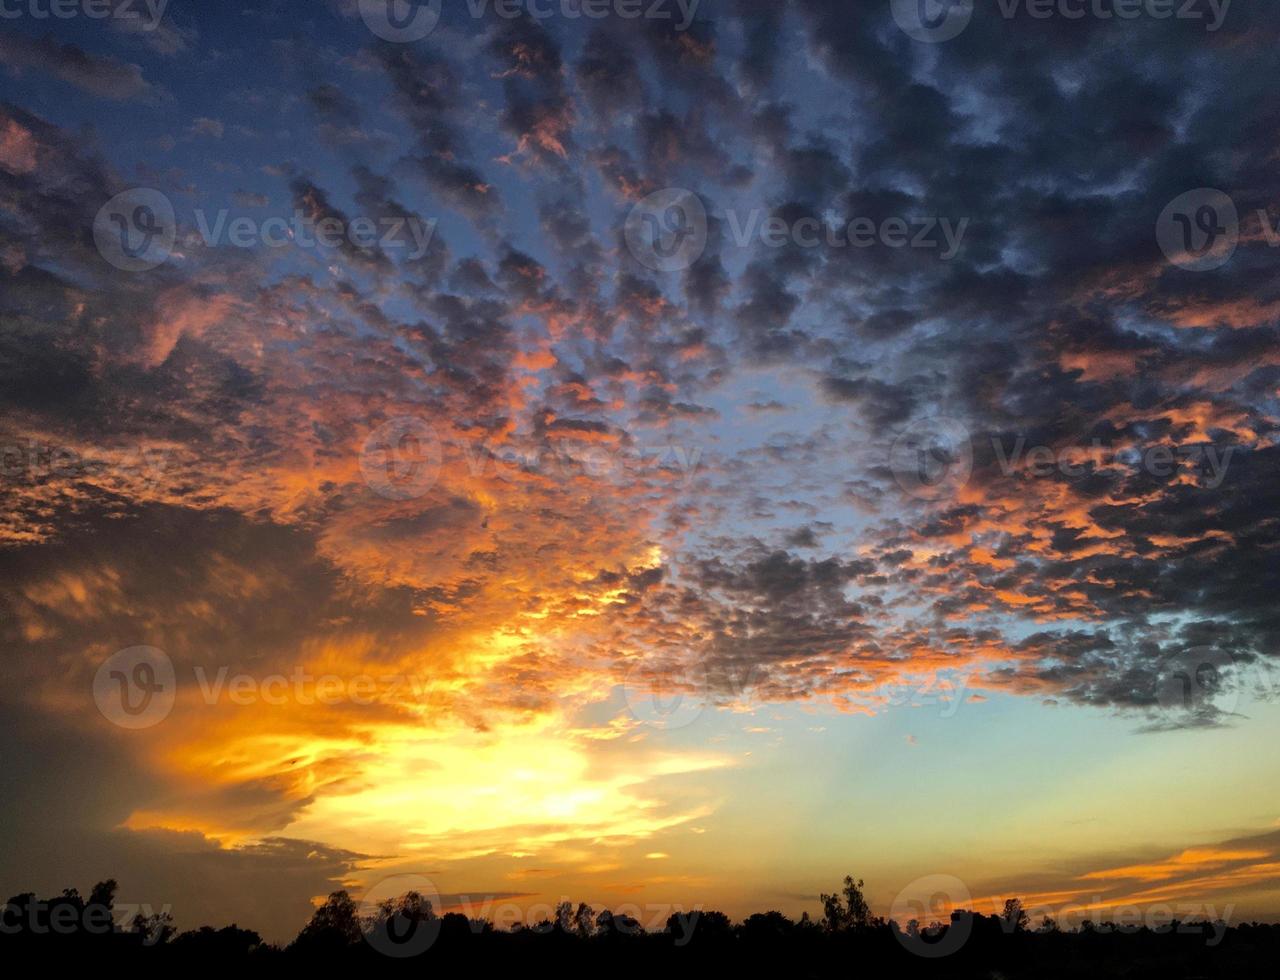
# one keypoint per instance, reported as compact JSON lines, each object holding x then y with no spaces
{"x":652,"y":454}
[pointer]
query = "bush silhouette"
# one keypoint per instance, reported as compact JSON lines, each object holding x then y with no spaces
{"x":580,"y":939}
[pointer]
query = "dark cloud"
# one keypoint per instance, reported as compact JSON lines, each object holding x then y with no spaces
{"x":429,"y":95}
{"x":98,"y":75}
{"x":617,"y":464}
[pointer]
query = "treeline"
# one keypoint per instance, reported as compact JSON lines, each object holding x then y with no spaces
{"x":408,"y":933}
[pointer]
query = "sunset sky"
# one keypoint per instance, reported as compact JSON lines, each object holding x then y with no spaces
{"x":492,"y":541}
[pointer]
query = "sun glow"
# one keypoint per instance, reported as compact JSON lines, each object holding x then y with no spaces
{"x":411,"y":760}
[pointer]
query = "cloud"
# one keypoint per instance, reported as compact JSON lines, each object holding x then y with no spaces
{"x":211,"y":128}
{"x":1232,"y":880}
{"x":98,"y":75}
{"x":187,"y":452}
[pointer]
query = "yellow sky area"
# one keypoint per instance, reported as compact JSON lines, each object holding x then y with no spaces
{"x":521,"y":792}
{"x":408,"y":767}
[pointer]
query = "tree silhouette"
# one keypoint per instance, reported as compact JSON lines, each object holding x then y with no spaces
{"x":229,"y":943}
{"x":576,"y":940}
{"x":584,"y":920}
{"x":767,"y":927}
{"x":103,"y":894}
{"x":853,"y":913}
{"x":153,"y":929}
{"x":333,"y":925}
{"x":1014,"y":916}
{"x":411,"y":907}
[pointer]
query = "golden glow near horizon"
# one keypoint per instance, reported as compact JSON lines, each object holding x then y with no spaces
{"x":400,"y":768}
{"x":550,"y":794}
